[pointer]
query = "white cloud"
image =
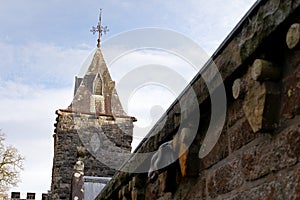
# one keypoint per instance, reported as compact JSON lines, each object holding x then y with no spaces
{"x":27,"y":120}
{"x":123,"y":65}
{"x":68,"y":22}
{"x":40,"y":63}
{"x":207,"y":22}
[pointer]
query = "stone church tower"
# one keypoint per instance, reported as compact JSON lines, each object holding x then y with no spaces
{"x":93,"y":129}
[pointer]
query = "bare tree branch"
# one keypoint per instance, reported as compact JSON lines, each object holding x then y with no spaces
{"x":11,"y":163}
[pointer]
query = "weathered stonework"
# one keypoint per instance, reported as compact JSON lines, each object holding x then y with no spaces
{"x":257,"y":154}
{"x":92,"y":126}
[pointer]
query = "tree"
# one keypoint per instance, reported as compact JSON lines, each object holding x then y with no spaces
{"x":11,"y":163}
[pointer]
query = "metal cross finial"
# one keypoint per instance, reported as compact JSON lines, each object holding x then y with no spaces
{"x":100,"y":29}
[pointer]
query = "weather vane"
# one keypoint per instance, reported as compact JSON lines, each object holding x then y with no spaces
{"x":100,"y":29}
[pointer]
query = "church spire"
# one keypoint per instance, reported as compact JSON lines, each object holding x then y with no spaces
{"x":100,"y":29}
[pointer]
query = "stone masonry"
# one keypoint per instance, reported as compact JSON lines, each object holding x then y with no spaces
{"x":258,"y":153}
{"x":91,"y":126}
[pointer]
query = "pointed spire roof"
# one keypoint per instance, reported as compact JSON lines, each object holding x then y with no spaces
{"x":95,"y":92}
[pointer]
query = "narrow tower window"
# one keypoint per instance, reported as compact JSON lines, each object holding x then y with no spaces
{"x":98,"y":85}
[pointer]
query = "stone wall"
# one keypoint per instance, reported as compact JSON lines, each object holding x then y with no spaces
{"x":257,"y":155}
{"x":73,"y":131}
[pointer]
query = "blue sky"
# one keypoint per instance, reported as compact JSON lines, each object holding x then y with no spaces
{"x":43,"y":45}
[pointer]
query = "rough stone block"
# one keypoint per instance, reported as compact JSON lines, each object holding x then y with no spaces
{"x":263,"y":70}
{"x":234,"y":112}
{"x":198,"y":191}
{"x":293,"y":36}
{"x":296,"y":190}
{"x":137,"y":194}
{"x":283,"y":185}
{"x":264,"y":191}
{"x":137,"y":182}
{"x":240,"y":134}
{"x":229,"y":59}
{"x":225,"y":179}
{"x":181,"y":145}
{"x":130,"y":187}
{"x":152,"y":190}
{"x":162,"y":178}
{"x":291,"y":95}
{"x":272,"y":155}
{"x":125,"y":192}
{"x":120,"y":194}
{"x":219,"y":151}
{"x":238,"y":88}
{"x":261,"y":105}
{"x":166,"y":196}
{"x":183,"y":152}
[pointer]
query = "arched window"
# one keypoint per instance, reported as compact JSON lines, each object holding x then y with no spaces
{"x":98,"y":85}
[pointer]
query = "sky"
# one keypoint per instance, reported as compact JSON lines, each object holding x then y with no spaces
{"x":45,"y":44}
